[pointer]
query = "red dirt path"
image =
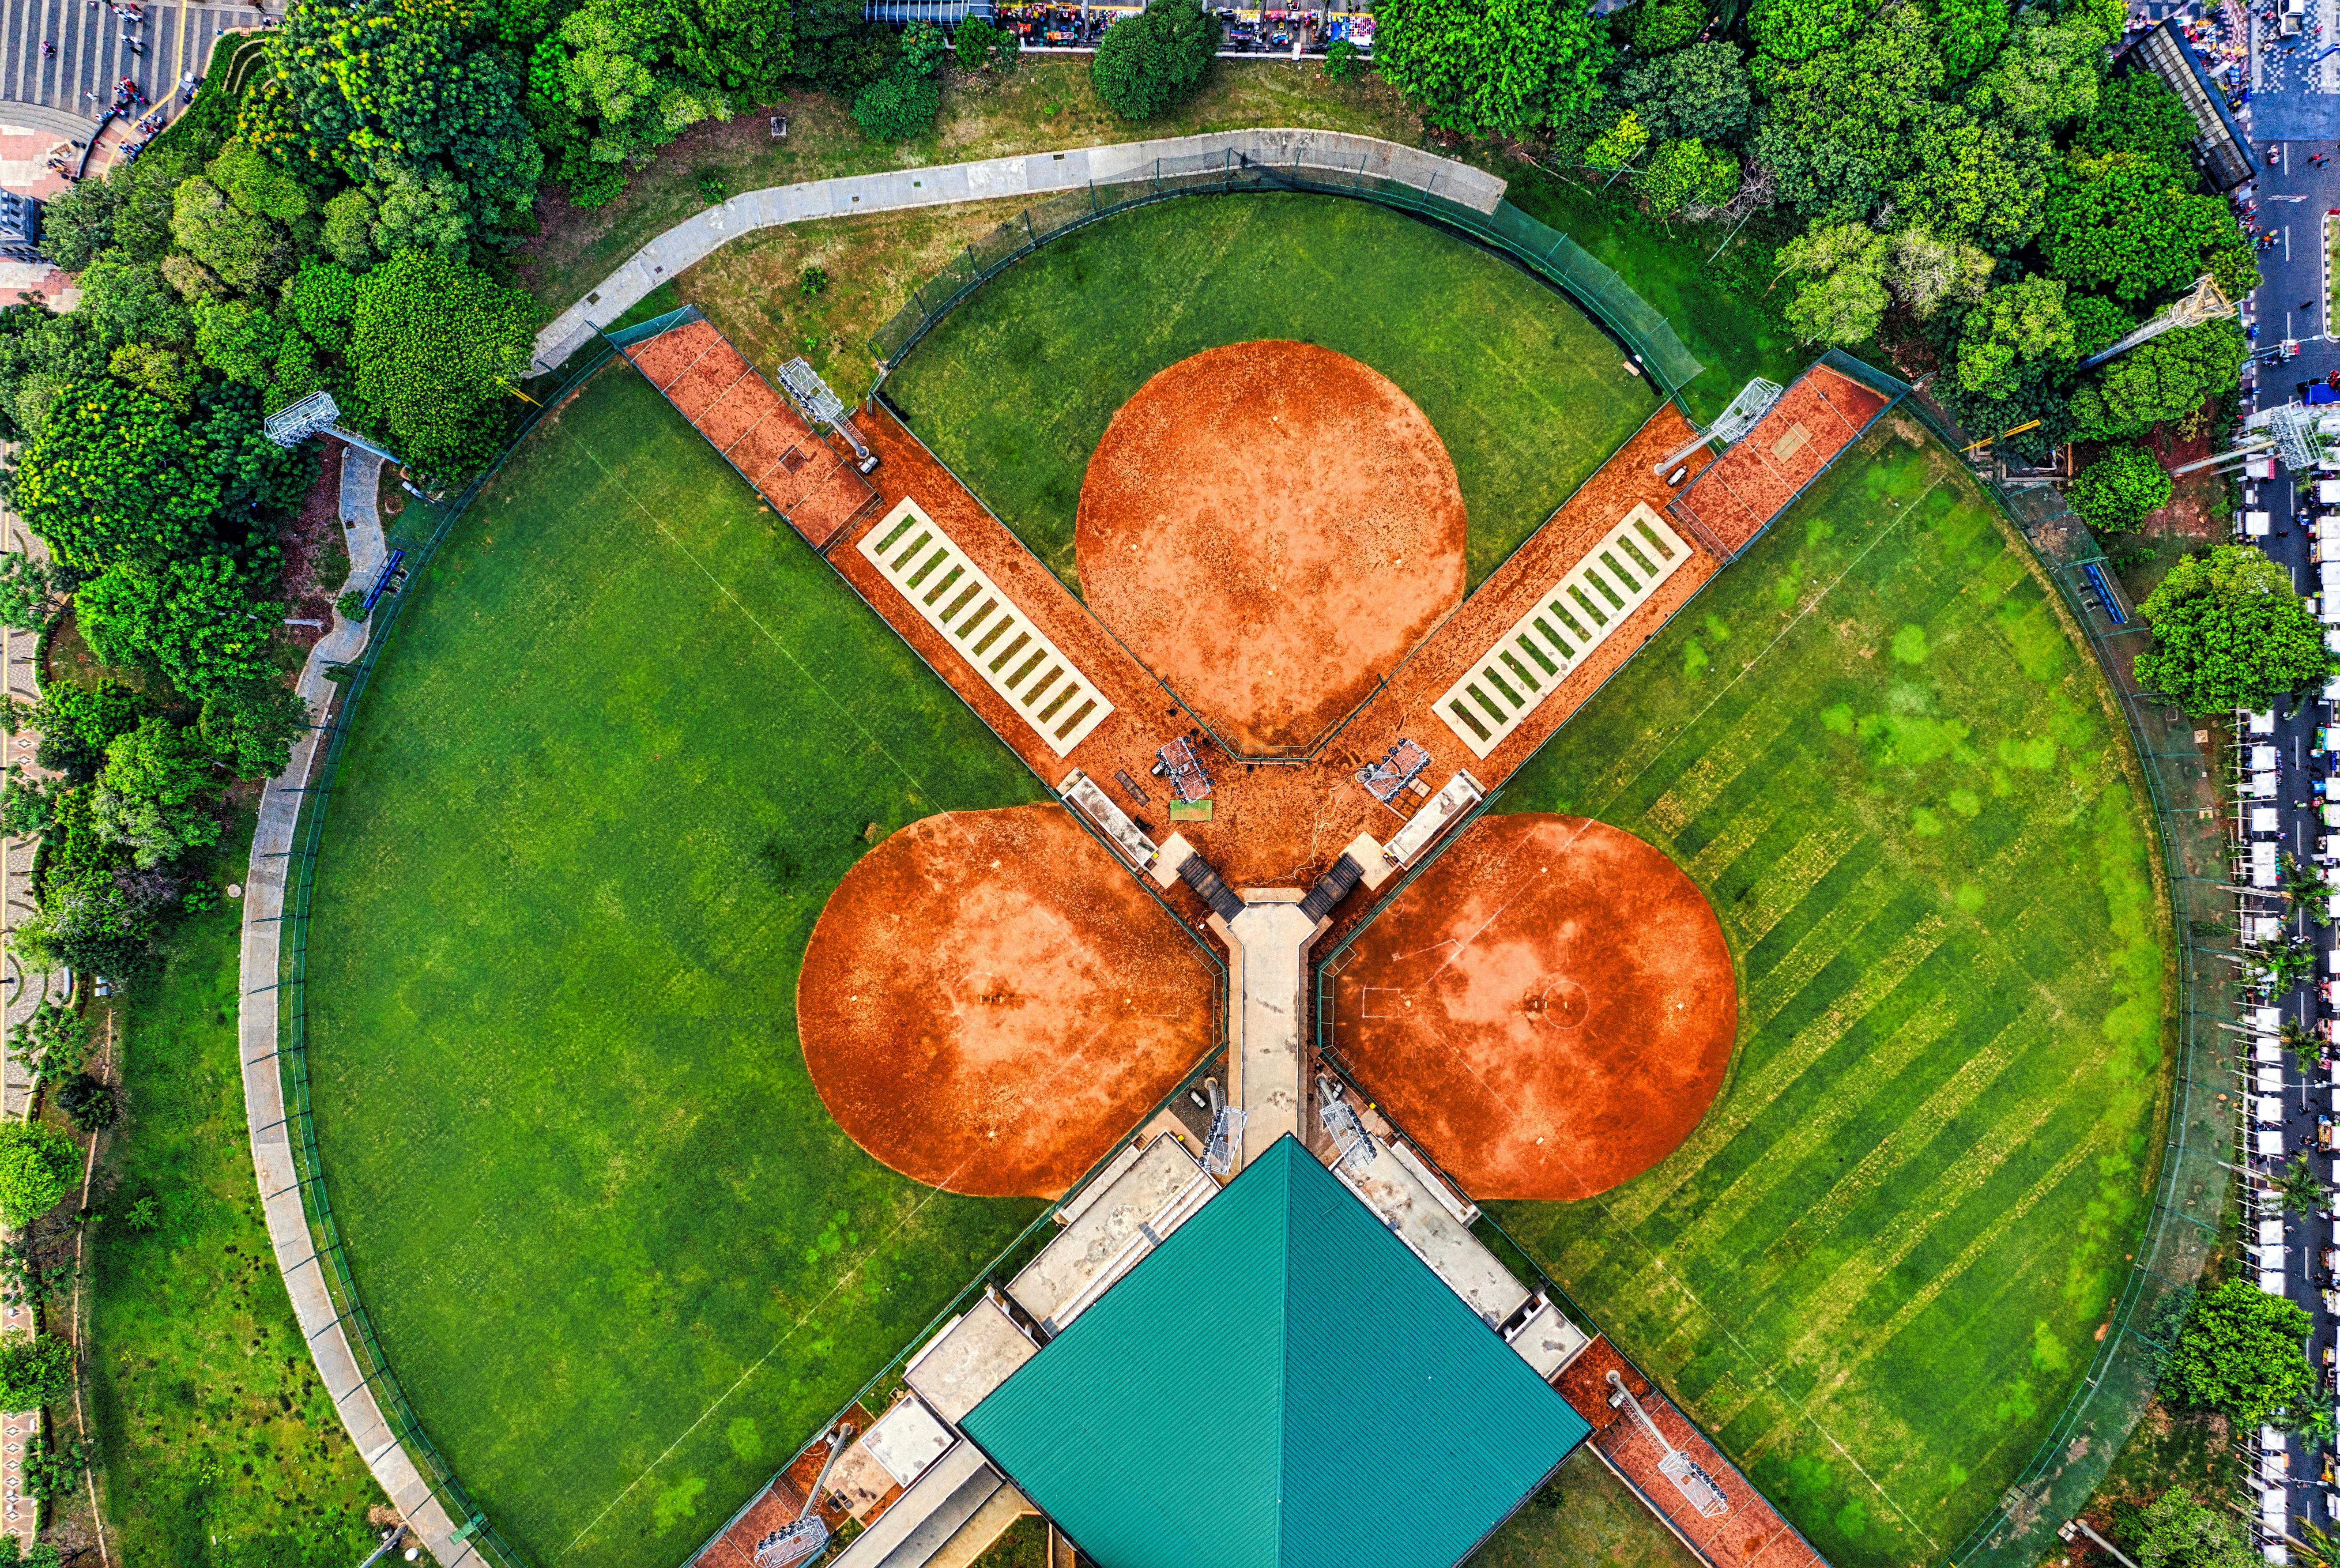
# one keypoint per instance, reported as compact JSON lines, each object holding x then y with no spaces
{"x":1549,"y":1008}
{"x":1271,"y":527}
{"x":990,"y":1001}
{"x":1820,"y":415}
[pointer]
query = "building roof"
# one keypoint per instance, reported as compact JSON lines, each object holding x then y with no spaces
{"x":1281,"y":1384}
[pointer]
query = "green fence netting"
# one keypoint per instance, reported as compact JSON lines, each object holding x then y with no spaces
{"x":1544,"y":249}
{"x":472,"y":1525}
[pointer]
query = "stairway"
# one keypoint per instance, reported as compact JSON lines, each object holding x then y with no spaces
{"x":47,"y":95}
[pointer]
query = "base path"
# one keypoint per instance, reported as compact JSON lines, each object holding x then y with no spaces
{"x":990,"y":1002}
{"x":991,"y":179}
{"x":1271,"y":526}
{"x":1548,"y":1010}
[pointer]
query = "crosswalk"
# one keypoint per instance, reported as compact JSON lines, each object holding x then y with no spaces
{"x":1527,"y":662}
{"x":63,"y":93}
{"x":1014,"y":657}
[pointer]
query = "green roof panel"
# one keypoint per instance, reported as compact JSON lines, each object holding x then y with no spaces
{"x":1282,"y":1383}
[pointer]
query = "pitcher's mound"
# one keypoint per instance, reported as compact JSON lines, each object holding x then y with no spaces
{"x":1271,"y":527}
{"x":990,"y":1002}
{"x":1549,"y":1008}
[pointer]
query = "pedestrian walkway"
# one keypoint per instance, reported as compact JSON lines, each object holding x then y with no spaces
{"x":298,"y":1261}
{"x":990,"y":179}
{"x":22,"y":987}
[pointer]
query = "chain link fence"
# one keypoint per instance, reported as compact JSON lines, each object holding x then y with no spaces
{"x":474,"y":1527}
{"x":1385,"y":175}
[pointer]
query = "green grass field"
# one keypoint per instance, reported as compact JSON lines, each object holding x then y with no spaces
{"x":629,"y":735}
{"x":1880,"y":1264}
{"x":1014,"y":389}
{"x":215,"y":1442}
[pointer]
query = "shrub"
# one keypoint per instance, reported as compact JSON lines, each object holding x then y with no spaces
{"x":894,"y":107}
{"x":88,"y":1102}
{"x":34,"y":1371}
{"x":1148,"y":63}
{"x":1620,"y":144}
{"x":711,"y":189}
{"x":1688,"y":175}
{"x":352,"y":605}
{"x":2116,"y":491}
{"x":812,"y":282}
{"x":1666,"y":23}
{"x":979,"y":46}
{"x":1344,"y":62}
{"x":37,"y":1170}
{"x":52,"y":1473}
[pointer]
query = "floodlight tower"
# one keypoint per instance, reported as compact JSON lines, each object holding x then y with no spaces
{"x":805,"y":1536}
{"x":819,"y":405}
{"x":317,"y":414}
{"x":1697,"y":1487}
{"x":1753,"y":402}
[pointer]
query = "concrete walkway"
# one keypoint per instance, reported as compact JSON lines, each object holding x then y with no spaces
{"x":263,"y":1088}
{"x":1037,"y":174}
{"x":25,"y":988}
{"x":1267,"y":976}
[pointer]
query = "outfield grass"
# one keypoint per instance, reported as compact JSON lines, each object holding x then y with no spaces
{"x":630,"y":734}
{"x":215,"y":1442}
{"x":1583,"y":1518}
{"x":1015,"y":388}
{"x":1878,"y":1267}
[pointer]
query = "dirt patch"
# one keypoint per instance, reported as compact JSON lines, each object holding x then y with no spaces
{"x":1271,"y":527}
{"x":315,"y":550}
{"x":1549,"y":1008}
{"x":990,"y":1001}
{"x":1819,"y":416}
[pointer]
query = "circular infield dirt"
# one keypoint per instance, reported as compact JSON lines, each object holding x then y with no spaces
{"x":990,"y":1002}
{"x":1271,"y":527}
{"x":1549,"y":1008}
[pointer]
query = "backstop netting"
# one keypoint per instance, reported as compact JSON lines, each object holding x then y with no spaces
{"x":1383,"y":175}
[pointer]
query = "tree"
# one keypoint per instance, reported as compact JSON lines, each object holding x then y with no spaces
{"x":204,"y":620}
{"x":1148,"y":63}
{"x":78,"y":225}
{"x":38,"y":1164}
{"x":616,"y":77}
{"x":88,"y":1102}
{"x":112,"y":474}
{"x":245,"y":251}
{"x":1819,"y":181}
{"x":2302,"y":1192}
{"x":156,"y":792}
{"x":35,"y":1370}
{"x":1928,"y":273}
{"x":321,"y":299}
{"x":2116,"y":491}
{"x":53,"y":1472}
{"x":1968,"y":33}
{"x":348,"y":233}
{"x":745,"y":47}
{"x":2136,"y":112}
{"x":1799,"y":29}
{"x":1843,"y":297}
{"x":2015,"y":323}
{"x":435,"y":344}
{"x":1700,"y":94}
{"x":1688,"y":175}
{"x":2048,"y":75}
{"x":2131,"y":225}
{"x":2239,"y":1355}
{"x":2176,"y":1532}
{"x":250,"y":726}
{"x":2162,"y":378}
{"x":1489,"y":67}
{"x":1982,"y":183}
{"x":2305,"y":889}
{"x":1620,"y":144}
{"x":28,"y":807}
{"x":1660,"y":25}
{"x":2229,"y":631}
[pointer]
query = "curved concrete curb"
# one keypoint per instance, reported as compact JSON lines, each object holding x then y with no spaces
{"x":1034,"y":174}
{"x":297,"y":1258}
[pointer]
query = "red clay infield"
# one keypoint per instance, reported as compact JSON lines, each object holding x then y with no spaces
{"x":1271,"y":527}
{"x":990,"y":1001}
{"x":1549,"y":1008}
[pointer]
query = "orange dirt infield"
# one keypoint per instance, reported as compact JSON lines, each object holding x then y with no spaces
{"x":1271,"y":527}
{"x":1550,"y":1007}
{"x":990,"y":1001}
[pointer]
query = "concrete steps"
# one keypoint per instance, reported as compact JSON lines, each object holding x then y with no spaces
{"x":48,"y":95}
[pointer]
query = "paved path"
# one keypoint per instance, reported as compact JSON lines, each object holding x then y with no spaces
{"x":21,"y":989}
{"x":990,"y":179}
{"x":263,"y":1088}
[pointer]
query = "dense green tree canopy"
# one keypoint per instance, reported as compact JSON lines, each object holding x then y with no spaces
{"x":1490,"y":67}
{"x":1660,"y":25}
{"x":2165,"y":378}
{"x":1842,"y":296}
{"x":2137,"y":113}
{"x":1979,"y":182}
{"x":2048,"y":75}
{"x":35,"y":1370}
{"x":116,"y":475}
{"x":435,"y":344}
{"x":156,"y":792}
{"x":2178,"y":1531}
{"x":2024,"y":321}
{"x":2240,"y":1352}
{"x":1688,"y":175}
{"x":1798,"y":29}
{"x":1699,"y":93}
{"x":1148,"y":63}
{"x":2130,"y":225}
{"x":2228,"y":631}
{"x":2114,"y":492}
{"x":1969,"y":33}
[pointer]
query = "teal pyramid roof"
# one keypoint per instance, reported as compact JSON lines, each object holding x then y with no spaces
{"x":1282,"y":1383}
